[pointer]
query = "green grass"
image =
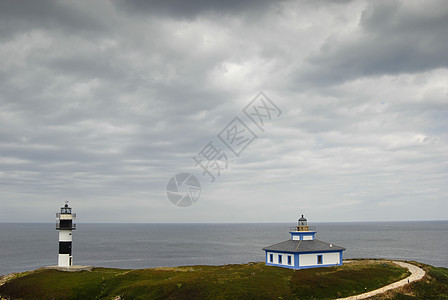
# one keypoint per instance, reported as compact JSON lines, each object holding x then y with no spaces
{"x":248,"y":281}
{"x":53,"y":284}
{"x":350,"y":279}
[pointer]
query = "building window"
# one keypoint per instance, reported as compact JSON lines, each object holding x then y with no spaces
{"x":289,"y":259}
{"x":319,"y":259}
{"x":279,"y":258}
{"x":271,"y":257}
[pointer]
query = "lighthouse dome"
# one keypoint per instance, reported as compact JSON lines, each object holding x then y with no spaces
{"x":302,"y":222}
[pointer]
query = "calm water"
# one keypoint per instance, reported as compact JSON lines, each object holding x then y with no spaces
{"x":30,"y":246}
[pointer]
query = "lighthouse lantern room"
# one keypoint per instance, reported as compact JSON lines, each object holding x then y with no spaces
{"x":65,"y":225}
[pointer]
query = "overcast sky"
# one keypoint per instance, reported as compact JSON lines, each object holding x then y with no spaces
{"x":102,"y":102}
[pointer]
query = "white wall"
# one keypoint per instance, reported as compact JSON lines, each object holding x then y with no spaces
{"x":65,"y":235}
{"x":305,"y":237}
{"x":284,"y":258}
{"x":63,"y":260}
{"x":332,"y":258}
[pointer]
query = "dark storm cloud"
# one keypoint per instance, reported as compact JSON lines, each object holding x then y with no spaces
{"x":392,"y":38}
{"x":191,"y":9}
{"x":68,"y":17}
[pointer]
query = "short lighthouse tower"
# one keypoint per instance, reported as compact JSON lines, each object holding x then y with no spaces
{"x":65,"y":225}
{"x":302,"y":250}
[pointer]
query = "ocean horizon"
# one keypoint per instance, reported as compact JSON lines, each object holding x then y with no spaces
{"x":28,"y":246}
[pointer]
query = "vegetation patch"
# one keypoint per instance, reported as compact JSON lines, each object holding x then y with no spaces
{"x":54,"y":284}
{"x":247,"y":281}
{"x":350,"y":279}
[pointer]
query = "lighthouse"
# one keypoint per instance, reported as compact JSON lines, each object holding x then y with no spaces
{"x":302,"y":250}
{"x":65,"y":225}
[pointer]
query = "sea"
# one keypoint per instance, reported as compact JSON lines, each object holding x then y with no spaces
{"x":28,"y":246}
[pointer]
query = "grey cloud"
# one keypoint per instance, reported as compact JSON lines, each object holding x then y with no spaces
{"x":192,"y":9}
{"x":396,"y":18}
{"x":87,"y":67}
{"x":391,"y":39}
{"x":22,"y":16}
{"x":102,"y":102}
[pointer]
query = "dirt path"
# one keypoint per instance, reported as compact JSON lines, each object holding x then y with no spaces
{"x":416,"y":274}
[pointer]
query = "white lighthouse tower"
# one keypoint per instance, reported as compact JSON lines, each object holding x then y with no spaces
{"x":65,"y":225}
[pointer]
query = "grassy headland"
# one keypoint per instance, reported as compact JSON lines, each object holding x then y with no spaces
{"x":245,"y":281}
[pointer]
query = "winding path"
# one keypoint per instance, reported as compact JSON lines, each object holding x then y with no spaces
{"x":417,"y":273}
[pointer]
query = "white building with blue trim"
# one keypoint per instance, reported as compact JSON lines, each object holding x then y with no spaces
{"x":303,"y":250}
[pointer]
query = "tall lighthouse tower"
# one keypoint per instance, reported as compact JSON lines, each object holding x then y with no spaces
{"x":65,"y":225}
